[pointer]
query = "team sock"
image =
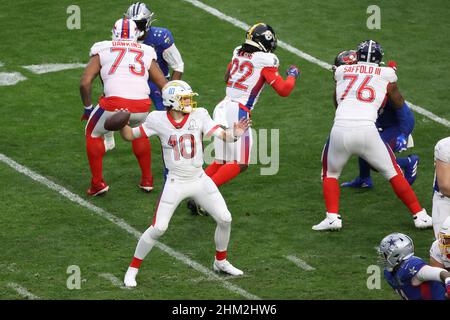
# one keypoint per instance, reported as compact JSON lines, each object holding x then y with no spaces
{"x":144,"y":246}
{"x":95,"y":149}
{"x":212,"y":168}
{"x":331,"y":193}
{"x":404,"y":191}
{"x":221,"y":255}
{"x":225,"y":173}
{"x":364,"y":168}
{"x":142,"y":151}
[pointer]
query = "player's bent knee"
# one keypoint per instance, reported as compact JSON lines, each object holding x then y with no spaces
{"x":158,"y":231}
{"x":224,"y":218}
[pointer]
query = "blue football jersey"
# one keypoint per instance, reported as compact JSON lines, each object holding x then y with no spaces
{"x":400,"y":281}
{"x":160,"y":39}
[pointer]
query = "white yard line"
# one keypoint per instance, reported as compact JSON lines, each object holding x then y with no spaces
{"x":113,"y":279}
{"x":53,"y":67}
{"x":11,"y":78}
{"x":302,"y":54}
{"x":300,"y":263}
{"x":22,"y":291}
{"x":123,"y":225}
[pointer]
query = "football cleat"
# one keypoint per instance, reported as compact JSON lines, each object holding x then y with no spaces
{"x":196,"y":210}
{"x":422,"y":220}
{"x":332,"y":222}
{"x":359,"y":182}
{"x":130,"y":277}
{"x":98,"y":189}
{"x":226,"y":267}
{"x":109,"y":141}
{"x":146,"y":184}
{"x":411,"y":168}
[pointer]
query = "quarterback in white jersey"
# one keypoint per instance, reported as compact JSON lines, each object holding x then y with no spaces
{"x":361,"y":90}
{"x":440,"y":249}
{"x":441,"y":195}
{"x":180,"y":130}
{"x":124,"y":67}
{"x":253,"y":65}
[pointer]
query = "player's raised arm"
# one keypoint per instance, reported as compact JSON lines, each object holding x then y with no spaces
{"x":281,"y":86}
{"x":90,"y":73}
{"x":156,"y":75}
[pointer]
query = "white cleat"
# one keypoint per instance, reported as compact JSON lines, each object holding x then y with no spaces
{"x":130,"y":277}
{"x":422,"y":220}
{"x":331,"y":222}
{"x":109,"y":141}
{"x":226,"y":267}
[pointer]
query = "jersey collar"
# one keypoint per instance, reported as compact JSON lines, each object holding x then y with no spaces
{"x":177,"y":125}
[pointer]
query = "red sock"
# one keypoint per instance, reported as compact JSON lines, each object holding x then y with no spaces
{"x":136,"y":263}
{"x":95,"y":149}
{"x":142,"y":151}
{"x":226,"y":172}
{"x":221,"y":255}
{"x":331,"y":193}
{"x":404,"y":191}
{"x":212,"y":168}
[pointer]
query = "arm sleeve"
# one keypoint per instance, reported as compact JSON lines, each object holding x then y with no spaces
{"x":406,"y":119}
{"x":147,"y":129}
{"x":173,"y":58}
{"x":442,"y":150}
{"x":209,"y":126}
{"x":282,"y":87}
{"x":429,"y":273}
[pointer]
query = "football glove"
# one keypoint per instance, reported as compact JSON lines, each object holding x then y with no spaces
{"x":392,"y":64}
{"x":447,"y":287}
{"x":293,"y":71}
{"x":401,"y":143}
{"x":87,"y":112}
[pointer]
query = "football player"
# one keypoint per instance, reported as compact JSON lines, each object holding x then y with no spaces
{"x":395,"y":126}
{"x":409,"y":275}
{"x":360,"y":91}
{"x":180,"y":130}
{"x":124,"y":66}
{"x":441,"y":189}
{"x":252,"y":66}
{"x":440,"y":249}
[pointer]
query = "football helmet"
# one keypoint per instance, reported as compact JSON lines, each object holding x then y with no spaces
{"x":444,"y":238}
{"x":395,"y":248}
{"x":345,"y":57}
{"x":369,"y":51}
{"x":125,"y":29}
{"x":262,"y":36}
{"x":178,"y":95}
{"x":141,"y":15}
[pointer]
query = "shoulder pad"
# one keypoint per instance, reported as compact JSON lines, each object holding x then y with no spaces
{"x":99,"y":46}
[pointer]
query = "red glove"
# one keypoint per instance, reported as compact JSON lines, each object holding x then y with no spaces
{"x":392,"y":64}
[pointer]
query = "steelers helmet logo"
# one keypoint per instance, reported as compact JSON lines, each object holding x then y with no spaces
{"x":268,"y":35}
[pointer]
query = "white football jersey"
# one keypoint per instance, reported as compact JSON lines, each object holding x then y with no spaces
{"x":181,"y":142}
{"x":442,"y":150}
{"x":245,"y":82}
{"x":124,"y":68}
{"x":437,"y":255}
{"x":361,"y":90}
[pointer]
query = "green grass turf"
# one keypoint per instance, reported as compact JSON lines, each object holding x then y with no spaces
{"x":42,"y":233}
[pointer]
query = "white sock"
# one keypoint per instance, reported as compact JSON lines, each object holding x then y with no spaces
{"x":146,"y":243}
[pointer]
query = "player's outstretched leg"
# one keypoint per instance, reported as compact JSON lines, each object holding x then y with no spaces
{"x":331,"y":194}
{"x":145,"y":244}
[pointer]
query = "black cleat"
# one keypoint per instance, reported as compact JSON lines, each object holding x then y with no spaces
{"x":196,"y":210}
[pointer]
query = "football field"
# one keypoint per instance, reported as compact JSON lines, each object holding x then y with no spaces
{"x":50,"y":227}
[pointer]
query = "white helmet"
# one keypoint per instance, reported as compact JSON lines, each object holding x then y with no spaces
{"x":125,"y":29}
{"x":444,"y":238}
{"x":178,"y":95}
{"x":141,"y":15}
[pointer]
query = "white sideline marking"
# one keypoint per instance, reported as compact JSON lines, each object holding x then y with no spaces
{"x":123,"y":225}
{"x":113,"y":279}
{"x":22,"y":291}
{"x":53,"y":67}
{"x":303,"y":55}
{"x":300,"y":263}
{"x":10,"y":78}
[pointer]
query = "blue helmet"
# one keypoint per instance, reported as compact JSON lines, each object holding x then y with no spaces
{"x":369,"y":51}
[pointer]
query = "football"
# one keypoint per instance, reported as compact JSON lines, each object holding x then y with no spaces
{"x":117,"y":121}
